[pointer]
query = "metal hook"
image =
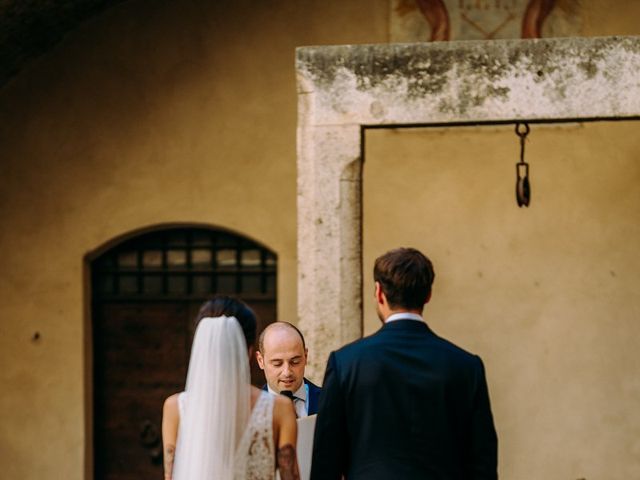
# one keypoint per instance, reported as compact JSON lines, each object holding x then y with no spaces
{"x":523,"y":133}
{"x":523,"y":186}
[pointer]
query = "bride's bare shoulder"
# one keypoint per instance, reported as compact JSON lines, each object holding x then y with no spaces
{"x":171,"y":401}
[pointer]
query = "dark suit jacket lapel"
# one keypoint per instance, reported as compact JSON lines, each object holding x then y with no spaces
{"x":314,"y":397}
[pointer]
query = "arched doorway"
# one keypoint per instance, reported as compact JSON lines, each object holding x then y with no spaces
{"x":146,"y":292}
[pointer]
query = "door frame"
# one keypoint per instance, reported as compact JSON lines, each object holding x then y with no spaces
{"x":345,"y":90}
{"x":87,"y":331}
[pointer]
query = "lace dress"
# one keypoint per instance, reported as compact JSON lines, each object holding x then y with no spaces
{"x":255,"y":459}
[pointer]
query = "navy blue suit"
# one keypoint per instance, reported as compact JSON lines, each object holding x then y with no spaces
{"x":314,"y":396}
{"x":404,"y":403}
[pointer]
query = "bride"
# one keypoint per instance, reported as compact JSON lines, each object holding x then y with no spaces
{"x":221,"y":427}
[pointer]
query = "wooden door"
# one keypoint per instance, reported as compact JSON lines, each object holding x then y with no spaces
{"x":265,"y":311}
{"x":140,"y":355}
{"x":142,"y":341}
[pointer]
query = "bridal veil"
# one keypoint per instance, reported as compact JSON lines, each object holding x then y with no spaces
{"x":217,"y":402}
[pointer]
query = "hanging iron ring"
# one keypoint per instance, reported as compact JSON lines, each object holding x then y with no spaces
{"x":523,"y":186}
{"x":525,"y":132}
{"x":523,"y":136}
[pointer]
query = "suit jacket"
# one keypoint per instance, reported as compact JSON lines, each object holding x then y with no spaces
{"x":404,"y":404}
{"x":314,"y":396}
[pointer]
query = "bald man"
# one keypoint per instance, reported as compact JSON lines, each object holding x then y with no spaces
{"x":282,"y":354}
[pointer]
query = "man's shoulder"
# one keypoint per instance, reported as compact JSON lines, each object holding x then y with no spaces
{"x":357,"y":347}
{"x":457,"y":351}
{"x":429,"y":341}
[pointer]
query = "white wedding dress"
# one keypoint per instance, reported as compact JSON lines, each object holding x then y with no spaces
{"x":255,"y":457}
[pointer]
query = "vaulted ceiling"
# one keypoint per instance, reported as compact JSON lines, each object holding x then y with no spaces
{"x":29,"y":28}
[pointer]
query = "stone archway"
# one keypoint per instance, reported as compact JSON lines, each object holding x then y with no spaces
{"x":343,"y":90}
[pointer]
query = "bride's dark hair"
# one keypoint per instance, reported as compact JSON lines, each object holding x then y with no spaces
{"x":231,"y":307}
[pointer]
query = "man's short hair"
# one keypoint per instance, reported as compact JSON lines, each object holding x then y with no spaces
{"x":284,"y":324}
{"x":405,"y":276}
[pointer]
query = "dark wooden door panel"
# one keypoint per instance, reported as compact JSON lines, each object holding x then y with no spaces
{"x":141,"y":354}
{"x":265,"y":311}
{"x":140,"y":359}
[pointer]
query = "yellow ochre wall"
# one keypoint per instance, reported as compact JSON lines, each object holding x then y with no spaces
{"x":162,"y":113}
{"x":154,"y":113}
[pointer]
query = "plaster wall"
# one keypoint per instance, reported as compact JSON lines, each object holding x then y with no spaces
{"x":155,"y":113}
{"x":547,"y":296}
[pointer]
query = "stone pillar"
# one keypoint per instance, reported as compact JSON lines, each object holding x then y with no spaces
{"x":329,"y":244}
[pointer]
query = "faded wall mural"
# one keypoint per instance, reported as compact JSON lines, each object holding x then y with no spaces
{"x":438,"y":20}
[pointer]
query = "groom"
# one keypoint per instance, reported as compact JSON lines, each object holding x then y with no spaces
{"x":404,"y":403}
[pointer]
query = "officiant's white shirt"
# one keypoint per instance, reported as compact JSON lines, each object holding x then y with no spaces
{"x":300,"y":399}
